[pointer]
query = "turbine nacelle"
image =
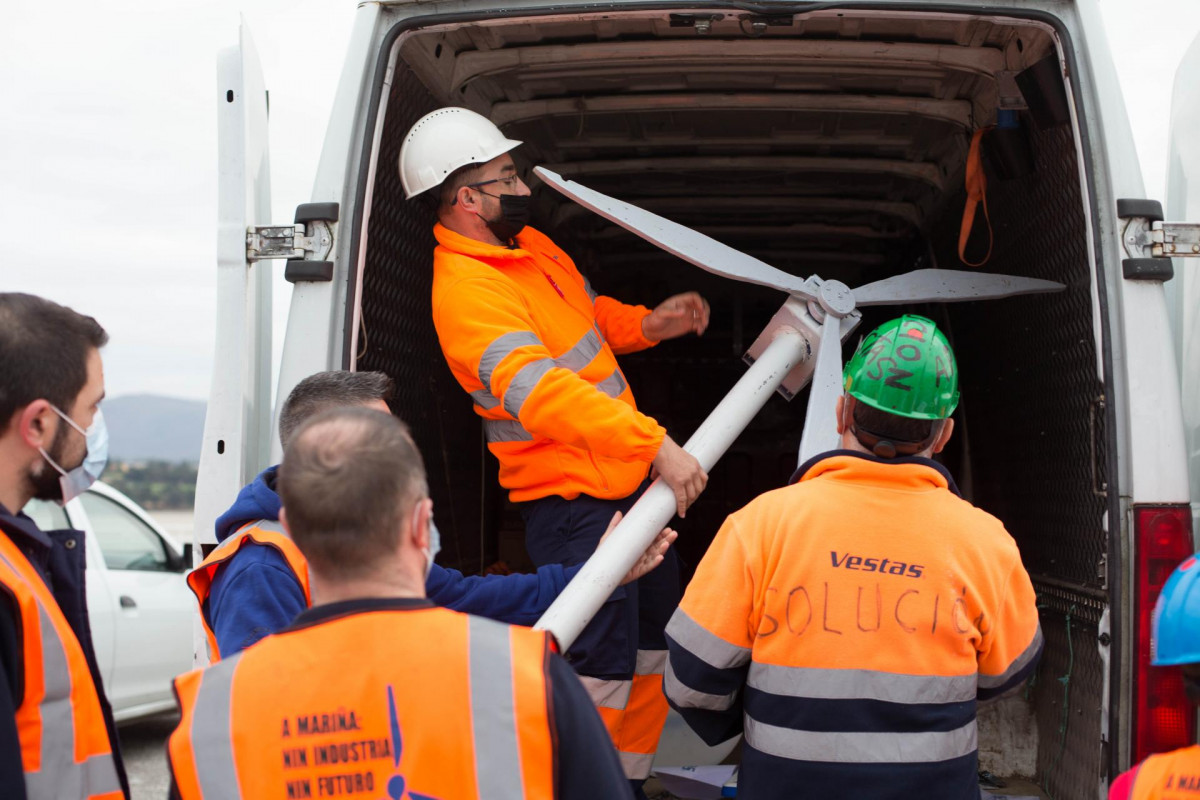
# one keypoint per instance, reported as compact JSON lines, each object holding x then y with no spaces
{"x":806,"y":317}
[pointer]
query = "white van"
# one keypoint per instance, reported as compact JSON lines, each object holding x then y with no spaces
{"x":827,"y":138}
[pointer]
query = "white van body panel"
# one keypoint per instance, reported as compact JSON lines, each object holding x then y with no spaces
{"x":1183,"y":292}
{"x":1151,"y":459}
{"x":315,"y":335}
{"x":237,"y":422}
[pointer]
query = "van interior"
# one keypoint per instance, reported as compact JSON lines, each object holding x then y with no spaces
{"x":832,"y":143}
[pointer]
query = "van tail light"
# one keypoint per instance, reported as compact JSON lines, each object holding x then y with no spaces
{"x":1163,"y":719}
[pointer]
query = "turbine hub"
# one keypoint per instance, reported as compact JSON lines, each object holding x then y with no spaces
{"x":836,"y":298}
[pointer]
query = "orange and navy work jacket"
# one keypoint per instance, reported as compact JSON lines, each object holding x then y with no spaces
{"x":848,"y":624}
{"x":65,"y":747}
{"x":263,"y":532}
{"x":1165,"y":776}
{"x":421,"y":703}
{"x":536,"y":348}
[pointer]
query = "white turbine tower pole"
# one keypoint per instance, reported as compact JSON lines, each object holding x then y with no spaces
{"x":587,"y":591}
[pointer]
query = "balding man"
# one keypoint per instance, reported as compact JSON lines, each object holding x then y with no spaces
{"x":374,"y":689}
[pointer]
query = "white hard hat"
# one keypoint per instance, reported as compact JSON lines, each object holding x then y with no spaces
{"x":444,"y":140}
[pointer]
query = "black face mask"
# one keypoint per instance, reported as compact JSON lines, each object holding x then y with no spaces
{"x":514,"y":216}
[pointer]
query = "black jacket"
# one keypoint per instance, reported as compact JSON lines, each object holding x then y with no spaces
{"x":58,"y":556}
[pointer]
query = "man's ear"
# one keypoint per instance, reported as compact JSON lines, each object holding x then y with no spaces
{"x":943,"y":435}
{"x":844,"y":410}
{"x":422,"y":514}
{"x":35,"y":424}
{"x":468,"y":199}
{"x":283,"y":520}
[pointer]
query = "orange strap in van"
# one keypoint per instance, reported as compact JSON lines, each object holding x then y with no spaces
{"x":976,"y":183}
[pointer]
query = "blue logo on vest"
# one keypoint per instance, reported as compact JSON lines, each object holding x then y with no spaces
{"x":396,"y":786}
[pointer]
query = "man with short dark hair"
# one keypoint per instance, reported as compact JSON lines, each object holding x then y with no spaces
{"x":256,"y":581}
{"x":333,"y":389}
{"x":849,"y":624}
{"x":409,"y":700}
{"x":57,"y":738}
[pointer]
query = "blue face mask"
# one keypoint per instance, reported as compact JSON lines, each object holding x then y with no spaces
{"x":76,"y":481}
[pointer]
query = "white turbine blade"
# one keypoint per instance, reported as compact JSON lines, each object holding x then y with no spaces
{"x":948,"y":286}
{"x":820,"y":421}
{"x":678,"y":240}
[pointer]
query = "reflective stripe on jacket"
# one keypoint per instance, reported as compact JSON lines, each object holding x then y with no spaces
{"x":1168,"y":776}
{"x":64,"y":742}
{"x":535,"y":347}
{"x":263,"y":532}
{"x":848,"y":624}
{"x":442,"y":704}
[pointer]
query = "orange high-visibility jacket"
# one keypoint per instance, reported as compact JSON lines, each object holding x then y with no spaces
{"x":1169,"y":776}
{"x":444,"y":704}
{"x":535,"y":347}
{"x":64,"y":742}
{"x":854,"y":618}
{"x":264,"y":532}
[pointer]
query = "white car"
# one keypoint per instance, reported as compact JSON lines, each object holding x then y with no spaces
{"x":140,"y":607}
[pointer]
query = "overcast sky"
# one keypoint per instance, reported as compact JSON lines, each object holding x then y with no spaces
{"x":108,"y":152}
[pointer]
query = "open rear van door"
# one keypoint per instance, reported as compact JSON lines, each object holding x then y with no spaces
{"x":237,"y":426}
{"x":1183,"y":291}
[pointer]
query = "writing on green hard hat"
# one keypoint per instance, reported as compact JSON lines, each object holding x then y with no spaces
{"x":905,"y":367}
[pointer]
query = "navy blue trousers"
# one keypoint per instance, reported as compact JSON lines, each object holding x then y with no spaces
{"x":559,"y":531}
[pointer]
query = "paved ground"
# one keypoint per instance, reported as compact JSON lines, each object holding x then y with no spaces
{"x":144,"y":745}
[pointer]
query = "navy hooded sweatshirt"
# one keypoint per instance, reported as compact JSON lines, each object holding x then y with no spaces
{"x":255,"y":593}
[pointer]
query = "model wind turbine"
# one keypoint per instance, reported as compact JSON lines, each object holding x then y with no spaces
{"x":817,"y":315}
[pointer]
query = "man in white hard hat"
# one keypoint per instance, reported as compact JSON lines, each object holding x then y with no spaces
{"x":535,"y":347}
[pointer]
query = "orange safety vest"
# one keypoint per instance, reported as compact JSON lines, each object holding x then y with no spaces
{"x":64,"y":742}
{"x":536,"y":348}
{"x":1169,"y":776}
{"x":443,"y":704}
{"x":264,"y":532}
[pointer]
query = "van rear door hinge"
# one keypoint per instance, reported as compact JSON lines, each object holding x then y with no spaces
{"x":306,"y":245}
{"x":1151,"y":243}
{"x":285,"y":241}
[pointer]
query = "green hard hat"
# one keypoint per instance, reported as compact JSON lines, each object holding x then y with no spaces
{"x":905,"y":367}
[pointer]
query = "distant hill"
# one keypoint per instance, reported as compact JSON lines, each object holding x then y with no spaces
{"x":144,"y":427}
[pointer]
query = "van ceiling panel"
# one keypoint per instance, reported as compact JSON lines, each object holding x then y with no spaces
{"x":910,"y":170}
{"x":720,"y":101}
{"x":847,"y":121}
{"x":806,"y":56}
